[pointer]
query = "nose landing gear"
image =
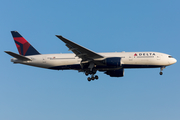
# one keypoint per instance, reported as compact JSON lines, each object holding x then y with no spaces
{"x":161,"y":73}
{"x":162,"y":68}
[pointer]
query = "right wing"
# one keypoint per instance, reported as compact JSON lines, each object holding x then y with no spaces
{"x":19,"y":57}
{"x":80,"y":51}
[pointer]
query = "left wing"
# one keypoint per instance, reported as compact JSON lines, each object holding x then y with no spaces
{"x":80,"y":51}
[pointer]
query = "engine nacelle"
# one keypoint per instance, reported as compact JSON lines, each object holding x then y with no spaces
{"x":113,"y":61}
{"x":115,"y":73}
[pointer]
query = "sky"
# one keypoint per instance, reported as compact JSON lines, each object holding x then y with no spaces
{"x":28,"y":93}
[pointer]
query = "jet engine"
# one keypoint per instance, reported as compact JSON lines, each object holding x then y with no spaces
{"x":112,"y":62}
{"x":115,"y":73}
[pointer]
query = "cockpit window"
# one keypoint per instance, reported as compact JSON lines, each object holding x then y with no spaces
{"x":170,"y":56}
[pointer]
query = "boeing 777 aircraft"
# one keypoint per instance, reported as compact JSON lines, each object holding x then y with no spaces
{"x":87,"y":61}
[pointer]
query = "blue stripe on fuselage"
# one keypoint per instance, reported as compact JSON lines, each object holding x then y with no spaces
{"x":67,"y":67}
{"x":78,"y":67}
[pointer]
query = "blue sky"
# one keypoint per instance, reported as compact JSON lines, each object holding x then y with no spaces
{"x":28,"y":93}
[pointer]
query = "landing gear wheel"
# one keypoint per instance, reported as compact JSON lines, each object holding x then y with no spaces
{"x":161,"y":73}
{"x":93,"y":78}
{"x":89,"y":79}
{"x":96,"y":77}
{"x":86,"y":74}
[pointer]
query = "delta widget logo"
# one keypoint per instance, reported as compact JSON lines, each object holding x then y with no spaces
{"x":144,"y":54}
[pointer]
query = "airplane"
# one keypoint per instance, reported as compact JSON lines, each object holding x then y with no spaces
{"x":87,"y":61}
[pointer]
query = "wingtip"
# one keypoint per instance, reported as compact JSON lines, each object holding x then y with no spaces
{"x":58,"y":35}
{"x":6,"y":51}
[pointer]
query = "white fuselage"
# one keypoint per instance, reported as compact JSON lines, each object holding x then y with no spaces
{"x":128,"y":60}
{"x":87,"y":61}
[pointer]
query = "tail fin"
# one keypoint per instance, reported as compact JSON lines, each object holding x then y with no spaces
{"x":23,"y":46}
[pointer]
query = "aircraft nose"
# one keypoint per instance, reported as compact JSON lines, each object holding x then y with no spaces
{"x":173,"y":61}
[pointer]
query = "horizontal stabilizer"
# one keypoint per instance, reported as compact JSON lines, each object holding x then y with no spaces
{"x":19,"y":57}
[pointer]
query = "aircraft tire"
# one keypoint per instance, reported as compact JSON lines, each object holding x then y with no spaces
{"x":96,"y":77}
{"x":86,"y":74}
{"x":89,"y":79}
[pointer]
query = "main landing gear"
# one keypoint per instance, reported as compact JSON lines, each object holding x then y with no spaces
{"x":92,"y":71}
{"x":162,"y":68}
{"x":92,"y":77}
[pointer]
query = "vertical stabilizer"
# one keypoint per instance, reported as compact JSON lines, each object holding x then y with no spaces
{"x":23,"y":46}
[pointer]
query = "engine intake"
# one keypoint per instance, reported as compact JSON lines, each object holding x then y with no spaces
{"x":113,"y":61}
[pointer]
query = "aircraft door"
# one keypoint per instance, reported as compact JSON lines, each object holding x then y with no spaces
{"x":44,"y":60}
{"x":158,"y":57}
{"x":130,"y":58}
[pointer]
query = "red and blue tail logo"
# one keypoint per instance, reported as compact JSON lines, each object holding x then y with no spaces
{"x":23,"y":45}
